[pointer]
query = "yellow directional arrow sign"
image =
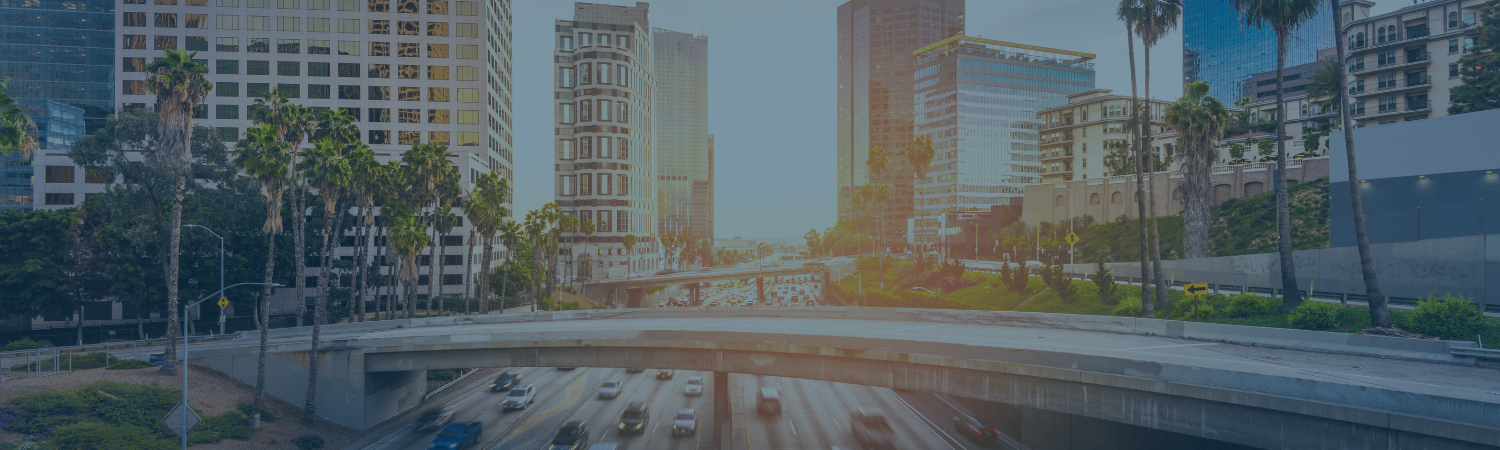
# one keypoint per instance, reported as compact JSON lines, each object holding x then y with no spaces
{"x":1192,"y":289}
{"x":1072,"y":238}
{"x":223,"y":302}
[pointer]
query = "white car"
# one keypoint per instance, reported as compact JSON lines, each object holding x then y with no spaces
{"x":694,"y":386}
{"x":685,"y":422}
{"x":520,"y":397}
{"x":610,"y":389}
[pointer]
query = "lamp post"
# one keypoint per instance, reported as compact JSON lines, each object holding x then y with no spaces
{"x":1070,"y":217}
{"x":221,"y":271}
{"x":185,"y":308}
{"x":937,"y":295}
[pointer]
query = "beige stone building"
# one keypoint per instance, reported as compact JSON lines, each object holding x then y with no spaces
{"x":1403,"y":65}
{"x":1077,"y":137}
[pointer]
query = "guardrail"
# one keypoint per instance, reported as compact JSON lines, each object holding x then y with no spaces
{"x":37,"y":355}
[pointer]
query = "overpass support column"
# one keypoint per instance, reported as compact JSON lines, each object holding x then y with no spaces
{"x":760,"y":290}
{"x":693,"y":291}
{"x":826,"y":279}
{"x":723,"y":423}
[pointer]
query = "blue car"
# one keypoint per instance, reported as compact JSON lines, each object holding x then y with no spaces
{"x":458,"y":435}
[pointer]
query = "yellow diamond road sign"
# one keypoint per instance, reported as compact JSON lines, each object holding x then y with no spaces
{"x":1072,"y":238}
{"x":223,"y":302}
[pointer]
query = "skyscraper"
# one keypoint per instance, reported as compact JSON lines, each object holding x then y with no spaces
{"x":977,"y":99}
{"x":410,"y":71}
{"x":876,"y":39}
{"x":684,"y":161}
{"x":605,"y":147}
{"x":1218,"y":48}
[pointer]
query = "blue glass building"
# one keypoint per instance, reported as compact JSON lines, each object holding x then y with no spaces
{"x":60,"y":50}
{"x":1218,"y":48}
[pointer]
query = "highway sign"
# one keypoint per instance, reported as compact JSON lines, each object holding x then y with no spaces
{"x":223,"y":302}
{"x":1072,"y":238}
{"x":174,"y":419}
{"x":1192,"y":289}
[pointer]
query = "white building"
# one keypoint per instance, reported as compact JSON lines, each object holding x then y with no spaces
{"x":1403,"y":65}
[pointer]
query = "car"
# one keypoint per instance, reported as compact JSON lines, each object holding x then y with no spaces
{"x":685,"y":422}
{"x":434,"y":419}
{"x":573,"y":435}
{"x":666,"y":271}
{"x":768,"y":401}
{"x":634,"y":370}
{"x":159,"y":359}
{"x":566,"y":368}
{"x":458,"y":435}
{"x":636,"y":418}
{"x":871,"y":429}
{"x":975,"y":431}
{"x":520,"y":397}
{"x":665,"y":374}
{"x":610,"y":389}
{"x":506,"y":381}
{"x":694,"y":386}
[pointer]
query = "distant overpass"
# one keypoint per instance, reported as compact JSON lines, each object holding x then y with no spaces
{"x":1366,"y":392}
{"x":633,"y":287}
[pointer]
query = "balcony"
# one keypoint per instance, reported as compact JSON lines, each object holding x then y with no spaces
{"x":1398,"y":62}
{"x":1394,"y":110}
{"x":1065,"y":137}
{"x":1057,"y":124}
{"x":1418,"y":106}
{"x":1393,"y":86}
{"x":1058,"y":154}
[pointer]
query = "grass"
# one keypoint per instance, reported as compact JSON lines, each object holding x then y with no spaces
{"x":108,"y":414}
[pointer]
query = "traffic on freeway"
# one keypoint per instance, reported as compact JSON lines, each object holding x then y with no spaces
{"x":799,"y":290}
{"x":601,"y":408}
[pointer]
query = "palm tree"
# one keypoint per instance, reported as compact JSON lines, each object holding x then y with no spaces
{"x":327,"y":171}
{"x":1158,"y":17}
{"x":364,"y":181}
{"x":668,"y":243}
{"x":510,"y":236}
{"x":261,"y":155}
{"x":629,"y":242}
{"x":876,"y":163}
{"x":17,"y":131}
{"x":1129,"y":12}
{"x":179,"y":86}
{"x":566,"y":223}
{"x":920,"y":154}
{"x":587,"y":228}
{"x":881,"y":195}
{"x":1379,"y":314}
{"x":1199,"y":121}
{"x":409,"y":237}
{"x":291,"y":122}
{"x":486,"y":214}
{"x":1283,"y":16}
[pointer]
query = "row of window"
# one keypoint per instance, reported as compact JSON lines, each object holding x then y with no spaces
{"x":65,"y":174}
{"x":592,"y":73}
{"x":402,"y":6}
{"x":600,"y":219}
{"x":314,"y":24}
{"x":565,"y":43}
{"x":383,"y":137}
{"x":325,"y":92}
{"x":586,"y":148}
{"x":314,"y":47}
{"x":322,"y":69}
{"x":376,"y":115}
{"x":607,"y":111}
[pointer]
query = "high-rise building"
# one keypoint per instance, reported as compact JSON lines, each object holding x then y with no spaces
{"x":977,"y":99}
{"x":684,"y":158}
{"x":605,"y":148}
{"x":876,"y":39}
{"x":1218,"y":48}
{"x":1403,"y":65}
{"x":410,"y":71}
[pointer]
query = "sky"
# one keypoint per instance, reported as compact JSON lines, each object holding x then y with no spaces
{"x":771,"y":92}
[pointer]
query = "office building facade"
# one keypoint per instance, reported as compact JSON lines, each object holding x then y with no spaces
{"x":1218,"y":48}
{"x":977,"y":99}
{"x":605,"y":143}
{"x":684,"y":149}
{"x":1403,"y":65}
{"x":410,"y":71}
{"x":876,"y":39}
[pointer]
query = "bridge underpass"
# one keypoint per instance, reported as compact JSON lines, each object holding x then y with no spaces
{"x":1063,"y":373}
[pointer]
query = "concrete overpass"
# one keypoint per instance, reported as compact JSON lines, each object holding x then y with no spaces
{"x":1230,"y":383}
{"x":633,"y":288}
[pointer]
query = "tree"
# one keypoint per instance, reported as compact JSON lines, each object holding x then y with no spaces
{"x":326,"y":170}
{"x":1266,"y":148}
{"x":486,"y":212}
{"x":920,"y":154}
{"x":876,"y":162}
{"x":34,"y":273}
{"x":1104,"y":282}
{"x":179,"y":86}
{"x":1158,"y":18}
{"x":291,"y":121}
{"x":410,"y":238}
{"x":1236,"y":153}
{"x":1379,"y":315}
{"x":1199,"y":120}
{"x":813,"y":243}
{"x":1282,"y":16}
{"x":17,"y":131}
{"x":1325,"y":89}
{"x":588,"y":229}
{"x":669,"y":245}
{"x":262,"y":156}
{"x":1129,"y":12}
{"x":1480,"y":66}
{"x":365,"y":179}
{"x":629,"y":242}
{"x":510,"y":236}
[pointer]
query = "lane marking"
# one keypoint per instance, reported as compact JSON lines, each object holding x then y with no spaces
{"x":733,"y":321}
{"x":914,"y":328}
{"x":925,"y":420}
{"x":794,"y":426}
{"x":528,"y":412}
{"x":1166,"y":346}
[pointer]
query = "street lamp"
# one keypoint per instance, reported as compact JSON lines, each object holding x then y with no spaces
{"x":185,"y":308}
{"x":937,"y":295}
{"x":1070,"y":218}
{"x":221,"y":270}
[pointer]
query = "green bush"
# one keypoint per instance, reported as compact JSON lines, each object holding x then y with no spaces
{"x":265,"y":414}
{"x":1247,"y":305}
{"x":1314,"y":315}
{"x":110,"y":415}
{"x":308,"y":442}
{"x":442,"y":374}
{"x":131,"y":364}
{"x":1451,"y":318}
{"x":24,"y":344}
{"x":230,"y":425}
{"x":94,"y":434}
{"x":1127,"y":307}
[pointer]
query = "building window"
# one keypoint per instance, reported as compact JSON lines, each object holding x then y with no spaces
{"x":59,"y":174}
{"x":230,"y":112}
{"x":622,"y":221}
{"x":1470,"y":19}
{"x":257,"y":67}
{"x":604,"y":147}
{"x":166,"y":20}
{"x":583,"y":73}
{"x":565,"y":77}
{"x":586,"y":147}
{"x":409,"y":115}
{"x":380,"y":137}
{"x":585,"y":39}
{"x":348,"y":5}
{"x":623,"y":78}
{"x":437,"y":137}
{"x":624,"y":147}
{"x":1453,"y":19}
{"x":133,"y":42}
{"x":437,"y":28}
{"x":349,"y":70}
{"x":409,"y":94}
{"x":406,"y":6}
{"x":348,"y":92}
{"x":226,"y":89}
{"x":166,"y":42}
{"x":408,"y":50}
{"x":568,"y":187}
{"x":467,"y":8}
{"x":258,"y":45}
{"x":380,"y":49}
{"x":1452,"y":70}
{"x":260,"y":90}
{"x":288,"y":68}
{"x":319,"y":91}
{"x":566,"y":110}
{"x":565,"y":43}
{"x":437,"y":72}
{"x":468,"y":139}
{"x":468,"y":95}
{"x":348,"y":48}
{"x":317,"y":69}
{"x":288,"y":24}
{"x":96,"y":175}
{"x":624,"y":112}
{"x":129,"y":64}
{"x":59,"y":198}
{"x":437,"y":6}
{"x":437,"y":94}
{"x":290,"y":90}
{"x":379,"y":92}
{"x":623,"y":42}
{"x":468,"y":51}
{"x":409,"y":72}
{"x":380,"y":5}
{"x":134,"y":19}
{"x":196,"y":44}
{"x":604,"y":107}
{"x":227,"y":67}
{"x":438,"y":116}
{"x":468,"y":73}
{"x":466,"y":30}
{"x":409,"y":137}
{"x":437,"y":50}
{"x":586,"y":110}
{"x":468,"y":117}
{"x":567,"y":149}
{"x":317,"y":47}
{"x":380,"y":114}
{"x":585,"y":184}
{"x":196,"y":21}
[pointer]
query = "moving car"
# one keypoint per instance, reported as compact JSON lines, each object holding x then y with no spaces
{"x":520,"y":397}
{"x":506,"y":381}
{"x":566,"y":368}
{"x":634,"y":369}
{"x":610,"y":389}
{"x":685,"y":422}
{"x":768,"y":401}
{"x":871,"y":429}
{"x":434,"y":419}
{"x":975,"y":431}
{"x":573,"y":435}
{"x":636,"y":418}
{"x":666,"y":271}
{"x":458,"y":435}
{"x":694,"y":386}
{"x":665,"y":374}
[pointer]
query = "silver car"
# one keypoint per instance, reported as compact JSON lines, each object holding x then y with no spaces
{"x":685,"y":422}
{"x":610,"y":389}
{"x":694,"y":386}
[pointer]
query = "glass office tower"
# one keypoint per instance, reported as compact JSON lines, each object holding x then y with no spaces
{"x":60,"y":50}
{"x":1218,"y":48}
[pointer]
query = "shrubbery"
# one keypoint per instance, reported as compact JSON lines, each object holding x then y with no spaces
{"x":265,"y":414}
{"x":131,"y":364}
{"x":24,"y":344}
{"x":308,"y":442}
{"x":1247,"y":305}
{"x":1315,"y":315}
{"x":112,"y":415}
{"x":1127,"y":308}
{"x":1452,"y":318}
{"x":67,"y":362}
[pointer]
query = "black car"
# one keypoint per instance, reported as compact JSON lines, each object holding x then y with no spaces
{"x":634,"y":370}
{"x":506,"y":381}
{"x":975,"y":431}
{"x":636,"y":418}
{"x":665,"y":374}
{"x":434,"y":419}
{"x":574,"y":435}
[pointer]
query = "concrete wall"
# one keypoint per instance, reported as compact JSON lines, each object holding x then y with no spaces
{"x":1407,"y":270}
{"x":347,"y":394}
{"x":1096,"y":197}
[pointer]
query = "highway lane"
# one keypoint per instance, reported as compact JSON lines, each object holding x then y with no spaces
{"x":816,"y":415}
{"x":663,"y":397}
{"x":479,"y":404}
